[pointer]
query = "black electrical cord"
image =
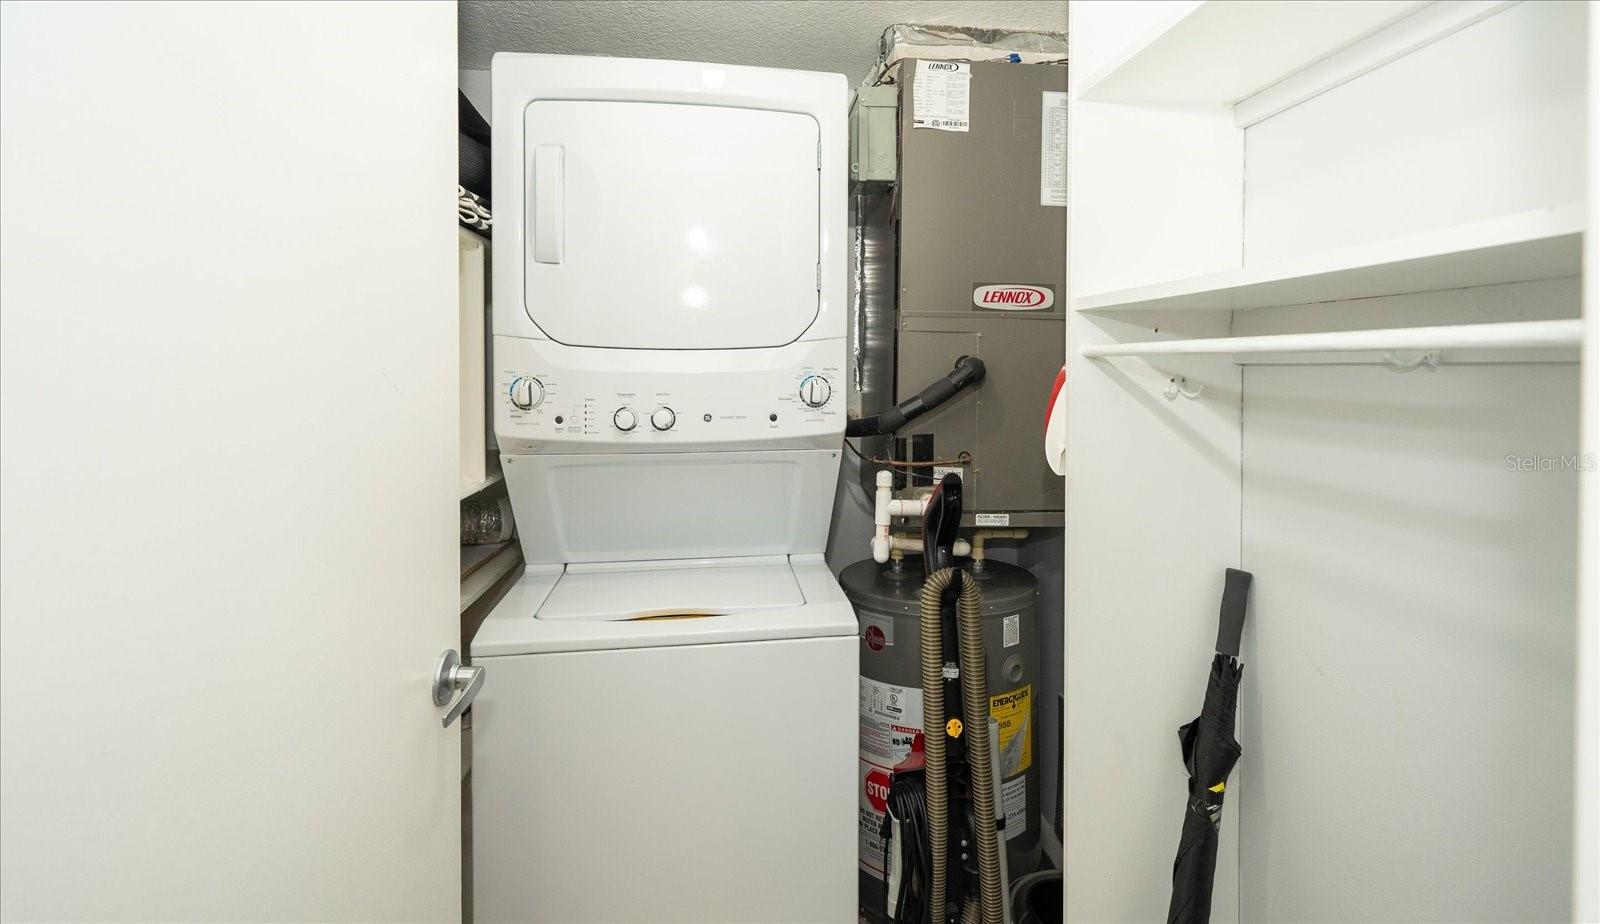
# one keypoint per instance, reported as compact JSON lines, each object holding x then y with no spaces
{"x":908,"y":805}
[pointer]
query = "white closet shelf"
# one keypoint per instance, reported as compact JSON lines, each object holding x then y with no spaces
{"x":484,"y":576}
{"x":470,"y":488}
{"x":1537,"y":244}
{"x":1507,"y":335}
{"x":1221,"y":51}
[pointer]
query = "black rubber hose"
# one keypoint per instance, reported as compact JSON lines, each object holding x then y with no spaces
{"x":968,"y":371}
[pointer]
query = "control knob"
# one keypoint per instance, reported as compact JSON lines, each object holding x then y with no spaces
{"x":815,"y":391}
{"x":624,"y":419}
{"x":527,"y":392}
{"x":663,"y":418}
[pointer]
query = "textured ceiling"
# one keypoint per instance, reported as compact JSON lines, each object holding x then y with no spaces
{"x":815,"y":35}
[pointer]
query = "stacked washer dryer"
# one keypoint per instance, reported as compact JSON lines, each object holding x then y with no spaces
{"x":668,"y":729}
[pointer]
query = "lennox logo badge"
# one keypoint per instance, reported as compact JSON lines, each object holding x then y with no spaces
{"x":1013,"y":297}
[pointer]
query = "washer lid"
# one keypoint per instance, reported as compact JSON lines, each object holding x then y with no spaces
{"x":519,"y":623}
{"x":670,"y":226}
{"x":672,"y":589}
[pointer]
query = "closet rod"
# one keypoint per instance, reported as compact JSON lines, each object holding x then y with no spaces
{"x":1507,"y":335}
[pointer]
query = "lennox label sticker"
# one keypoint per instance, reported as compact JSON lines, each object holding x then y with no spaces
{"x":940,"y":95}
{"x":1009,"y":296}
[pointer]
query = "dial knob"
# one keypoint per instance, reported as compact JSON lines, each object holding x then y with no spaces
{"x":527,"y":392}
{"x":624,"y":419}
{"x":815,"y":391}
{"x":663,"y":418}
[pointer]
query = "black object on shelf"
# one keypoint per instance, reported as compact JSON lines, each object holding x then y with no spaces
{"x":473,"y":144}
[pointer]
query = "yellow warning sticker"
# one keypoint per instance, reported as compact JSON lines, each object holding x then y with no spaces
{"x":953,"y":728}
{"x":1013,"y":712}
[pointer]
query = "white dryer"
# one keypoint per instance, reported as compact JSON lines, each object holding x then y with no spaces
{"x":668,"y":728}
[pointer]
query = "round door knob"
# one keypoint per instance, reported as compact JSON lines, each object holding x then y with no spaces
{"x":815,"y":391}
{"x":527,"y":392}
{"x":624,"y":419}
{"x":663,"y":418}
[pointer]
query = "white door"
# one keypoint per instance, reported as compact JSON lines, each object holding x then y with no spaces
{"x":228,"y":466}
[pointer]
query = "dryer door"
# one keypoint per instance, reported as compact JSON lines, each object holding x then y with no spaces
{"x":670,"y":226}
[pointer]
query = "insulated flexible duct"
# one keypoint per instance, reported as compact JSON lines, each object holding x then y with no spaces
{"x":933,"y":739}
{"x":975,"y":706}
{"x":969,"y":370}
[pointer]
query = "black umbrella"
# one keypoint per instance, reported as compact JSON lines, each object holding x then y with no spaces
{"x":1209,"y":753}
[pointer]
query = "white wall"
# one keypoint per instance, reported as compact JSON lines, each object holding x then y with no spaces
{"x":1410,"y":651}
{"x":1407,"y":698}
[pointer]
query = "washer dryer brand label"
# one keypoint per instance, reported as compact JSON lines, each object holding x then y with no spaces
{"x":940,"y":95}
{"x":891,"y":732}
{"x":1001,"y":296}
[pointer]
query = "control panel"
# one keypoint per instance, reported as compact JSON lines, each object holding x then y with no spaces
{"x":551,"y":399}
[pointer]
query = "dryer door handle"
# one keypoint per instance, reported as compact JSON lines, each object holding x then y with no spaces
{"x":547,"y":205}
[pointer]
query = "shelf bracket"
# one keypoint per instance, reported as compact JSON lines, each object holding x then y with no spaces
{"x":1427,"y":360}
{"x":1178,"y":385}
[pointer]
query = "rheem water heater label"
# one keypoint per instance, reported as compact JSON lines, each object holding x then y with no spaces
{"x":891,"y":731}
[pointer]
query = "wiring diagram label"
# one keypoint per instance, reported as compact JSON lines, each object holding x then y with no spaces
{"x":1053,"y":149}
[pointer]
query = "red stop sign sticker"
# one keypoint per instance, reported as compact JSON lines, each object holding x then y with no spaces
{"x":878,"y":789}
{"x":875,"y":640}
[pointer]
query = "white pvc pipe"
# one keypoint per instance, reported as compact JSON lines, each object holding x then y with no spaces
{"x":880,"y":517}
{"x":885,"y":508}
{"x":1509,"y":335}
{"x":911,"y":507}
{"x":914,"y":544}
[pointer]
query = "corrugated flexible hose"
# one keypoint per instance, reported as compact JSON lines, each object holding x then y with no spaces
{"x":933,"y":736}
{"x":975,"y":706}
